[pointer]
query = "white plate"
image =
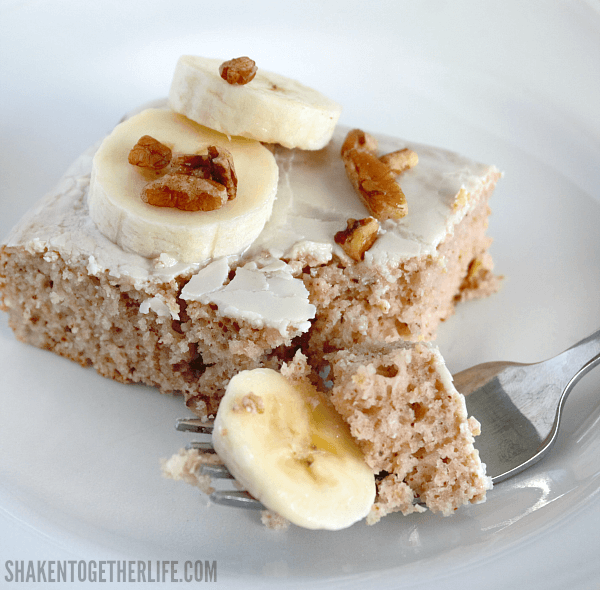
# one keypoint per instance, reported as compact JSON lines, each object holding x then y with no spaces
{"x":79,"y":460}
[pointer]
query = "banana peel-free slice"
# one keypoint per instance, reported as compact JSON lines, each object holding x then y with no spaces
{"x":271,"y":108}
{"x":116,"y":187}
{"x":287,"y":446}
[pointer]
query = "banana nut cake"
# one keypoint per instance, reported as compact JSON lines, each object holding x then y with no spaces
{"x":237,"y":225}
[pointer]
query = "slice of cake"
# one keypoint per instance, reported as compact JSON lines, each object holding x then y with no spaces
{"x":187,"y":327}
{"x":177,"y":253}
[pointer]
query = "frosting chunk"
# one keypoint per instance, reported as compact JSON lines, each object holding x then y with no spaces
{"x":266,"y":295}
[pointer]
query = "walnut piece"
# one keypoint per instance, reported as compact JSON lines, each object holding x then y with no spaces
{"x":240,"y":70}
{"x":189,"y":182}
{"x":358,"y":237}
{"x":372,"y":179}
{"x":150,"y":153}
{"x":222,"y":169}
{"x":191,"y":164}
{"x":185,"y":192}
{"x":376,"y":185}
{"x":400,"y":160}
{"x":359,"y":140}
{"x":217,"y":165}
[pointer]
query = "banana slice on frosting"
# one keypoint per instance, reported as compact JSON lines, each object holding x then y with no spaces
{"x":285,"y":444}
{"x":270,"y":108}
{"x":119,"y":212}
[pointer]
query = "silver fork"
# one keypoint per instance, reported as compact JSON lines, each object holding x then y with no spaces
{"x":235,"y":498}
{"x":518,"y":405}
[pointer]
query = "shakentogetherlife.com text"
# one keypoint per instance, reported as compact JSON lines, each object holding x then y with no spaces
{"x":108,"y":571}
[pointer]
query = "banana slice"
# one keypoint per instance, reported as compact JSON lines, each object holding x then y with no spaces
{"x":116,"y":186}
{"x":284,"y":443}
{"x":270,"y":108}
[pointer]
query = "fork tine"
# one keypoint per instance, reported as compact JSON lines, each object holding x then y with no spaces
{"x":205,"y":447}
{"x":237,"y":499}
{"x":194,"y":425}
{"x":216,"y":471}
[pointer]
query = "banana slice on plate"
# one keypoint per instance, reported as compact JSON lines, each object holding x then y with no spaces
{"x":270,"y":108}
{"x":116,"y":187}
{"x":288,"y":447}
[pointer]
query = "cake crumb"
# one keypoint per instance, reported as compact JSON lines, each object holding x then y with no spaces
{"x":274,"y":521}
{"x":251,"y":403}
{"x":298,"y":369}
{"x":185,"y":466}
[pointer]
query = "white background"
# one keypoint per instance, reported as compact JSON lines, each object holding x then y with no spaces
{"x":511,"y":83}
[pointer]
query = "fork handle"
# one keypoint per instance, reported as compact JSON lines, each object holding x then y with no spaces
{"x":575,"y":362}
{"x":571,"y":365}
{"x":581,"y":354}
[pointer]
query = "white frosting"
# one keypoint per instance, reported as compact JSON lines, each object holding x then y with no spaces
{"x":159,"y":306}
{"x":314,"y":200}
{"x":60,"y":223}
{"x":207,"y":280}
{"x":263,"y":294}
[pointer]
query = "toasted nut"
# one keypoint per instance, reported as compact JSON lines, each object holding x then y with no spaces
{"x":217,"y":165}
{"x":240,"y":70}
{"x":222,"y":169}
{"x":180,"y":186}
{"x":401,"y":160}
{"x":358,"y":237}
{"x":372,"y":179}
{"x":191,"y":164}
{"x":150,"y":153}
{"x":184,"y":192}
{"x":376,"y":185}
{"x":359,"y":140}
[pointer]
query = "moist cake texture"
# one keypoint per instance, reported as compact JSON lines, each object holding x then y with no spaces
{"x":412,"y":426}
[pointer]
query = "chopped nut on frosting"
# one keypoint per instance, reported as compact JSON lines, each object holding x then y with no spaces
{"x":400,"y":160}
{"x":376,"y":185}
{"x":374,"y":181}
{"x":358,"y":237}
{"x":359,"y":140}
